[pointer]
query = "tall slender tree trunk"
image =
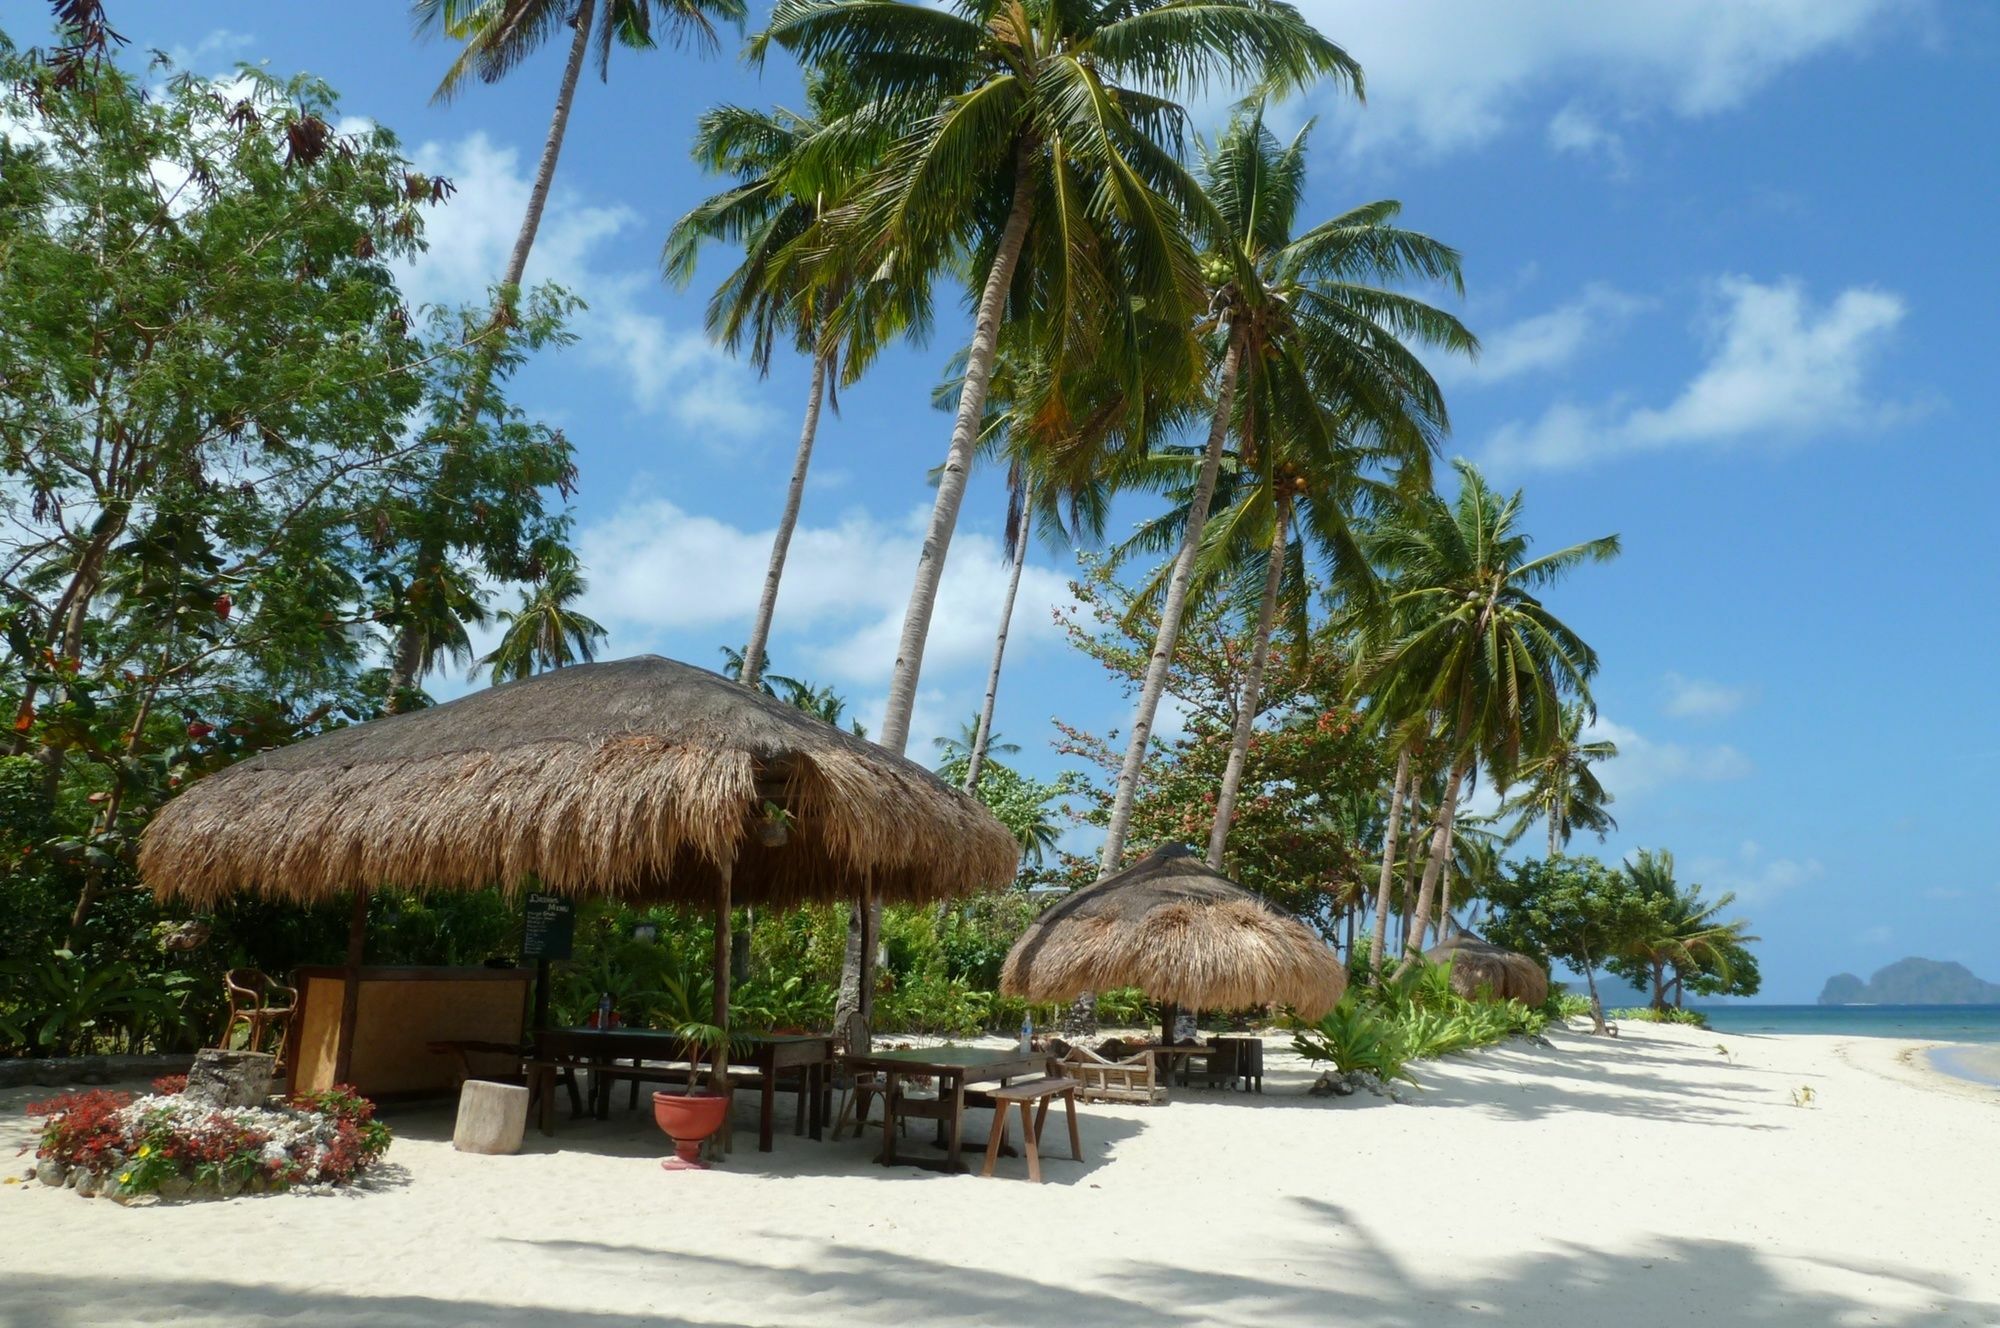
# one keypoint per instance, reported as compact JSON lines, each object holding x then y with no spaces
{"x":1444,"y":906}
{"x":854,"y":978}
{"x":1168,"y":635}
{"x":1554,"y":830}
{"x":976,"y":762}
{"x":1413,"y":945}
{"x":781,"y":543}
{"x":1390,"y":840}
{"x":1253,"y":683}
{"x":406,"y":661}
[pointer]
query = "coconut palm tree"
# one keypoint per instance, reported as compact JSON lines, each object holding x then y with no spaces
{"x":1312,"y":356}
{"x":966,"y":743}
{"x":1478,"y":650}
{"x":545,"y":632}
{"x":1560,"y":787}
{"x":1046,"y":129}
{"x":496,"y":36}
{"x":1688,"y":936}
{"x":790,"y":167}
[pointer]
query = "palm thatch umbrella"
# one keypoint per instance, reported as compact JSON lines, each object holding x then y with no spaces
{"x":642,"y":779}
{"x":1181,"y":932}
{"x":1478,"y":965}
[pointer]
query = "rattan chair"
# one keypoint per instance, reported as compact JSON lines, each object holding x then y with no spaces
{"x":251,"y":1006}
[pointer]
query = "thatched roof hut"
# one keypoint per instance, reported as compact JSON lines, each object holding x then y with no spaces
{"x":1183,"y":934}
{"x":1478,"y":965}
{"x":639,"y":779}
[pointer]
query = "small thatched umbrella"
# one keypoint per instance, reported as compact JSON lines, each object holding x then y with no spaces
{"x":645,"y":779}
{"x":1182,"y":933}
{"x":1478,"y":965}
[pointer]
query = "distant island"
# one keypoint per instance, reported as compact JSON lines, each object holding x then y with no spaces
{"x":1912,"y":982}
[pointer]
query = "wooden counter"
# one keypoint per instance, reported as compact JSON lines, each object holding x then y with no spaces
{"x":374,"y":1033}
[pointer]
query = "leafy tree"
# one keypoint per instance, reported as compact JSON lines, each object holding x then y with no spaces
{"x":1574,"y":909}
{"x":1310,"y":765}
{"x":1476,"y":648}
{"x":217,"y":426}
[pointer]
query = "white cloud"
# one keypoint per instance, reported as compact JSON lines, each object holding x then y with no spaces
{"x":1753,"y":875}
{"x":1546,"y":341}
{"x":1644,"y":763}
{"x":1575,"y":130}
{"x":1700,"y":698}
{"x":1780,"y":369}
{"x":655,"y":569}
{"x":222,"y":47}
{"x":1445,"y":75}
{"x":667,"y":369}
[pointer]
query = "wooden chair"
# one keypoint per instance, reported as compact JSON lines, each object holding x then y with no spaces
{"x":252,"y":1006}
{"x":1132,"y":1079}
{"x":1036,"y":1094}
{"x":856,"y":1088}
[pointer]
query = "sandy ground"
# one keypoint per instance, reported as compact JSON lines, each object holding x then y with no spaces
{"x":1649,"y":1180}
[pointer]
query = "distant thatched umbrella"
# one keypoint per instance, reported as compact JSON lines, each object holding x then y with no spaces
{"x":1478,"y":965}
{"x":1180,"y":932}
{"x":643,"y":779}
{"x":637,"y":779}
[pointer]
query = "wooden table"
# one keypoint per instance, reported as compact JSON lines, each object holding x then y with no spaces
{"x":1173,"y":1058}
{"x":811,"y":1054}
{"x":953,"y":1067}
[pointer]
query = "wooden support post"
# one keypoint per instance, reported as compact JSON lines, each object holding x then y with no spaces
{"x":719,"y":1080}
{"x":350,"y":993}
{"x":866,"y":996}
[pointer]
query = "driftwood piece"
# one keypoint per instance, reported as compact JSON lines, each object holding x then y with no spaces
{"x":491,"y":1117}
{"x":230,"y":1078}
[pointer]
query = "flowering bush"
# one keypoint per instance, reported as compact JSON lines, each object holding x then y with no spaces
{"x":169,"y":1084}
{"x":167,"y":1141}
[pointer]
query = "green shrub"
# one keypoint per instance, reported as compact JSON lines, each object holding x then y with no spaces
{"x":1353,"y":1036}
{"x":1646,"y":1014}
{"x":1563,"y":1005}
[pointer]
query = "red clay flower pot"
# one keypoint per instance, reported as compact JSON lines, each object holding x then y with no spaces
{"x":688,"y":1119}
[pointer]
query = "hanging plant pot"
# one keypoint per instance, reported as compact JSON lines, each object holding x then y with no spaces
{"x":773,"y":834}
{"x":688,"y":1119}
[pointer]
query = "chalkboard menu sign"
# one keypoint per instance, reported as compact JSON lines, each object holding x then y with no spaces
{"x":550,"y":932}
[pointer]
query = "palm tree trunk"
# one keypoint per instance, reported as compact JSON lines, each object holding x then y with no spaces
{"x":976,"y":762}
{"x":1168,"y":635}
{"x":1390,"y":839}
{"x":1444,"y":905}
{"x":545,"y":169}
{"x":1253,"y":684}
{"x":1553,"y":829}
{"x":781,"y":543}
{"x":406,"y":661}
{"x":854,"y":978}
{"x":1440,"y":849}
{"x":1596,"y":1002}
{"x":958,"y":463}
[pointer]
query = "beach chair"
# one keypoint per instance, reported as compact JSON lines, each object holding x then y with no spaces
{"x":1132,"y":1078}
{"x":856,"y":1088}
{"x":254,"y":1006}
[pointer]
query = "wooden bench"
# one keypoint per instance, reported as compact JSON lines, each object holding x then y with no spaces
{"x":1035,"y":1093}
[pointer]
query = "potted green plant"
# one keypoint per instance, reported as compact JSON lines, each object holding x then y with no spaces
{"x":692,"y":1116}
{"x":774,"y":827}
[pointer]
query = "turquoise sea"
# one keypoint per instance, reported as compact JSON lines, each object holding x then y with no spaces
{"x":1973,"y":1029}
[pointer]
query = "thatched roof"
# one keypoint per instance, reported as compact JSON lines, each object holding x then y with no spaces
{"x":1478,"y":965}
{"x":1180,"y":932}
{"x":634,"y":779}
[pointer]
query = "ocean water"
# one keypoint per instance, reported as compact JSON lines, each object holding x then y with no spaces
{"x":1974,"y":1030}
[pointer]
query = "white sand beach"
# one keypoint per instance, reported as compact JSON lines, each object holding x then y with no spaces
{"x":1649,"y":1180}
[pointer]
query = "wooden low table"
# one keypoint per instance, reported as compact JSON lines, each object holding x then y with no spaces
{"x":809,"y":1054}
{"x":952,"y":1067}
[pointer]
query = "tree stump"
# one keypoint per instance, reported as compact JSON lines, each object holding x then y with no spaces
{"x":491,"y":1117}
{"x":230,"y":1078}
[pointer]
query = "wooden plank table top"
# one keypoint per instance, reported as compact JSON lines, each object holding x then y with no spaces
{"x":953,"y":1067}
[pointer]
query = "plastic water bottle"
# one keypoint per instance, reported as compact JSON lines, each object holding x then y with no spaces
{"x":604,"y":1010}
{"x":1027,"y":1032}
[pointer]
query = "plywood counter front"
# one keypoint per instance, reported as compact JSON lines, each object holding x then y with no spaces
{"x":377,"y":1036}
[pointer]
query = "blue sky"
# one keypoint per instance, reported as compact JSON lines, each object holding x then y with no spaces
{"x":1730,"y":260}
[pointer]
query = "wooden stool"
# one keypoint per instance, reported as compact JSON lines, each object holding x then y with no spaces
{"x":1036,"y":1093}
